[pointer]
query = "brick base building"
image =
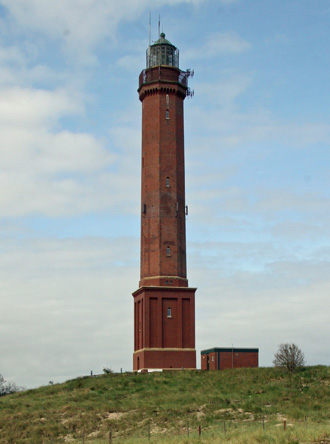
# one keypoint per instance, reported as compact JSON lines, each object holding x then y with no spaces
{"x":223,"y":358}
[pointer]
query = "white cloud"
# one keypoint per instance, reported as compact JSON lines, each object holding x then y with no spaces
{"x":224,"y":92}
{"x":219,"y":44}
{"x":279,"y":302}
{"x":226,"y":43}
{"x":69,"y":307}
{"x":11,"y":61}
{"x":304,"y":203}
{"x":302,"y":230}
{"x":63,"y":174}
{"x":56,"y":172}
{"x":10,"y":55}
{"x":130,"y":63}
{"x":79,"y":25}
{"x":30,"y":107}
{"x":218,"y":108}
{"x":61,"y":295}
{"x":20,"y":67}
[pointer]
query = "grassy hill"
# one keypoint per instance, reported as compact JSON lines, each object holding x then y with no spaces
{"x":233,"y":406}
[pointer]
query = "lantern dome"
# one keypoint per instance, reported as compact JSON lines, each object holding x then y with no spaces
{"x":162,"y":52}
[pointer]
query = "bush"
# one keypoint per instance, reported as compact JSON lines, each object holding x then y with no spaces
{"x":289,"y":356}
{"x":6,"y":388}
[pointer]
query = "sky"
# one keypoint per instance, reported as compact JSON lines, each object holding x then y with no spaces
{"x":257,"y":151}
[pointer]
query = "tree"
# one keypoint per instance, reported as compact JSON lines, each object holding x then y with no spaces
{"x":289,"y":356}
{"x":6,"y":388}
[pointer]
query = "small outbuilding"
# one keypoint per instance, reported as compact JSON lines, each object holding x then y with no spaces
{"x":223,"y":358}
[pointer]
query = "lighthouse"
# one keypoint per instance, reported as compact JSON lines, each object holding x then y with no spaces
{"x":164,"y":304}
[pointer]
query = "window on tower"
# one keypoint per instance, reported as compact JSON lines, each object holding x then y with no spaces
{"x":167,"y":182}
{"x":167,"y":114}
{"x":168,"y":251}
{"x":169,"y":312}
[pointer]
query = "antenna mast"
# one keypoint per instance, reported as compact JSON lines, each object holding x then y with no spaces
{"x":159,"y":27}
{"x":149,"y":50}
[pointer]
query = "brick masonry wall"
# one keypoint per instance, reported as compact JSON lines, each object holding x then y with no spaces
{"x":238,"y":359}
{"x":153,"y":327}
{"x":163,"y":231}
{"x":164,"y":305}
{"x":221,"y":360}
{"x":164,"y":359}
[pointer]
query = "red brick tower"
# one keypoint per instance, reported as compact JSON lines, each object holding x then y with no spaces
{"x":164,"y":305}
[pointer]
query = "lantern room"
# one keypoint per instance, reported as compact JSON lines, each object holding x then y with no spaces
{"x":162,"y":52}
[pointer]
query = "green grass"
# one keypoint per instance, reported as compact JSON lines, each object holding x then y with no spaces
{"x":129,"y":405}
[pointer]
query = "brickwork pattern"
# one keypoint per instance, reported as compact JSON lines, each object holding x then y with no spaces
{"x":237,"y":360}
{"x":163,"y":230}
{"x":164,"y":305}
{"x":164,"y":318}
{"x":222,"y":360}
{"x":164,"y":359}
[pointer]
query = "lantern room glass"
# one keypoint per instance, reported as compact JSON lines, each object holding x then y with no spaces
{"x":162,"y":52}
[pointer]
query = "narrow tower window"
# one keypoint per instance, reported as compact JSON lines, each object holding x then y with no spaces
{"x":169,"y":312}
{"x":167,"y":114}
{"x":168,"y":251}
{"x":167,"y":182}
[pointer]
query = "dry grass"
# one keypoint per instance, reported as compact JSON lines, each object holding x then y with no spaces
{"x":242,"y":400}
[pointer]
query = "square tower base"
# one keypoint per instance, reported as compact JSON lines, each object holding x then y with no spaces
{"x":165,"y":359}
{"x":164,"y":328}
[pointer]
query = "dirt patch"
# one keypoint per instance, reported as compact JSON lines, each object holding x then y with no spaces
{"x":238,"y":414}
{"x":115,"y":415}
{"x":227,"y":411}
{"x":200,"y":415}
{"x":93,"y":434}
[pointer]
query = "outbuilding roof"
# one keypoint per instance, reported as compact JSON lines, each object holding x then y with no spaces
{"x":229,"y":349}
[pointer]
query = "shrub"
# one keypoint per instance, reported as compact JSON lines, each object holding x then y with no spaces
{"x":289,"y":356}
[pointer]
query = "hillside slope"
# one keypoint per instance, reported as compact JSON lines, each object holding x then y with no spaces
{"x":225,"y":404}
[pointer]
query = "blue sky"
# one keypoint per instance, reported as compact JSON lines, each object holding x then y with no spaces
{"x":257,"y":139}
